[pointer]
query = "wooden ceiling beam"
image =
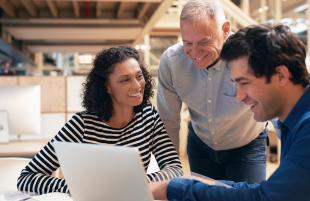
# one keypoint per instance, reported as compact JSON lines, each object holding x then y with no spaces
{"x":60,"y":33}
{"x":53,"y":8}
{"x":98,"y":9}
{"x":162,"y":8}
{"x":237,"y":14}
{"x":71,"y":22}
{"x":120,"y":10}
{"x":76,"y":8}
{"x":143,"y":10}
{"x":132,"y":1}
{"x":8,"y":8}
{"x":94,"y":49}
{"x":30,"y":7}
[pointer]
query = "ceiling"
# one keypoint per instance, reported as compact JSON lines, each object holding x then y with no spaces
{"x":87,"y":26}
{"x":79,"y":26}
{"x":288,"y":7}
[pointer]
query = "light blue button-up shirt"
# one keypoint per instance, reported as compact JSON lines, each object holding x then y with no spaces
{"x":216,"y":117}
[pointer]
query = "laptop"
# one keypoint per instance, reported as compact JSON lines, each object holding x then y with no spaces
{"x":103,"y":172}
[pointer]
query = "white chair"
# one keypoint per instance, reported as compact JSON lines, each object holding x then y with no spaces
{"x":10,"y":169}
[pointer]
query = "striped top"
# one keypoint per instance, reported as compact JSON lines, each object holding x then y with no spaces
{"x":146,"y":132}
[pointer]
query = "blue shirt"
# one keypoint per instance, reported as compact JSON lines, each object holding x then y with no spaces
{"x":291,"y":181}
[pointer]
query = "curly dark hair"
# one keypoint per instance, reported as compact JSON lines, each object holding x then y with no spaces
{"x":96,"y":99}
{"x":267,"y":47}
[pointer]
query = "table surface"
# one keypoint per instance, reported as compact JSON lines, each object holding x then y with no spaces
{"x":21,"y":148}
{"x":16,"y":195}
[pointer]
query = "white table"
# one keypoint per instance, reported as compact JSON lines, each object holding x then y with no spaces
{"x":19,"y":196}
{"x":21,"y":148}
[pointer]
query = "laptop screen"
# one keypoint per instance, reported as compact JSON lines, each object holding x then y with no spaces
{"x":103,"y":172}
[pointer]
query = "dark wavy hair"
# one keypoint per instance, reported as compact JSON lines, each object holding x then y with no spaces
{"x":96,"y":99}
{"x":267,"y":47}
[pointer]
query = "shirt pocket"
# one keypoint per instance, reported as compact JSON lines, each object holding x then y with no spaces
{"x":229,"y":88}
{"x":228,"y":104}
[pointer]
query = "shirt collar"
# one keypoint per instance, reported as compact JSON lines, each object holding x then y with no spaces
{"x":217,"y":66}
{"x":301,"y":107}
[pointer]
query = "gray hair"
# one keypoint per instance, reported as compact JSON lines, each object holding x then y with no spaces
{"x":197,"y":9}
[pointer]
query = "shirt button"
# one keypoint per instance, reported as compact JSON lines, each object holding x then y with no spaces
{"x":212,"y":133}
{"x":209,"y":78}
{"x":215,"y":143}
{"x":210,"y":120}
{"x":209,"y":101}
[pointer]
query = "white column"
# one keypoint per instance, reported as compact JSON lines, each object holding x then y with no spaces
{"x":38,"y":60}
{"x":180,"y":38}
{"x":233,"y":25}
{"x":76,"y":62}
{"x":245,"y":6}
{"x":263,"y":11}
{"x":278,"y":11}
{"x":146,"y":50}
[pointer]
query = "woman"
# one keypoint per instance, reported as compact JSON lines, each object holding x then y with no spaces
{"x":118,"y":111}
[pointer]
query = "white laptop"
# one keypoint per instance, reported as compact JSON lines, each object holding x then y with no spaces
{"x":103,"y":172}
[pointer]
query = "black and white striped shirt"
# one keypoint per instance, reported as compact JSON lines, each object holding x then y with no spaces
{"x":146,"y":132}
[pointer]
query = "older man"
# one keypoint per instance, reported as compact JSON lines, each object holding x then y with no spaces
{"x":224,"y":141}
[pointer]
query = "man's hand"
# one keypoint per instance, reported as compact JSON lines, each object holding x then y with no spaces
{"x":159,"y":189}
{"x":206,"y":180}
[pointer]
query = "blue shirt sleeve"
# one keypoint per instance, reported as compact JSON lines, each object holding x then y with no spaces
{"x":289,"y":182}
{"x":186,"y":189}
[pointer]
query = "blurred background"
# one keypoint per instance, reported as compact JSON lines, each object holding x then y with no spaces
{"x":52,"y":43}
{"x":61,"y":37}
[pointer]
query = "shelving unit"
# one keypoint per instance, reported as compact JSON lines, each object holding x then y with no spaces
{"x":60,"y":98}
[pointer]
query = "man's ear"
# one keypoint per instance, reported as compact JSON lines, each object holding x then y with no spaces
{"x":226,"y":29}
{"x":283,"y":74}
{"x":108,"y":88}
